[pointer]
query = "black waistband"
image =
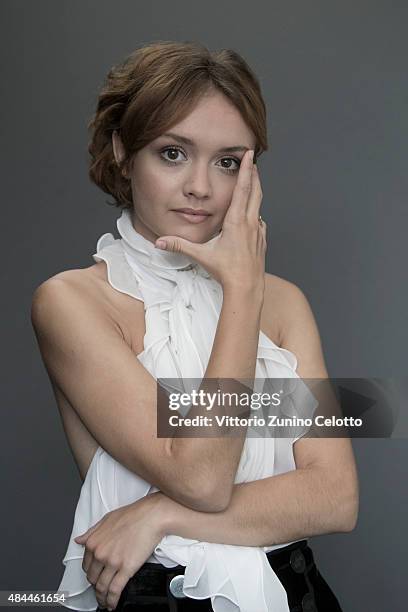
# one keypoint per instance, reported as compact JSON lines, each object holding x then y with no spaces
{"x":152,"y":580}
{"x":282,"y":556}
{"x":276,"y":557}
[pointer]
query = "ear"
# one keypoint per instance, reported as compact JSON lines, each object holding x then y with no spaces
{"x":118,"y":148}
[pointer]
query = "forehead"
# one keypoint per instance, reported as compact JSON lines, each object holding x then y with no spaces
{"x":215,"y":122}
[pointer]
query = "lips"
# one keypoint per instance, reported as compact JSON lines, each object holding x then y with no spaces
{"x":192,"y":211}
{"x":192,"y":216}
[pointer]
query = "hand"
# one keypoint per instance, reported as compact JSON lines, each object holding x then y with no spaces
{"x":118,"y":545}
{"x":236,"y":256}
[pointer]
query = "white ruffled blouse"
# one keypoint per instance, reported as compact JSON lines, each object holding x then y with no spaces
{"x":182,"y":304}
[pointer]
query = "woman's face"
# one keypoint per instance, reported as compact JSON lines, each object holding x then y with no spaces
{"x":170,"y":173}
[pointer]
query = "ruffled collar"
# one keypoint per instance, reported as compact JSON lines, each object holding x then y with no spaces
{"x":138,"y":246}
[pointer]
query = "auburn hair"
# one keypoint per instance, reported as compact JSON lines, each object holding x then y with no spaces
{"x":156,"y":87}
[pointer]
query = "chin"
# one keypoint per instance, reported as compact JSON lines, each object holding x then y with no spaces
{"x":195,"y":234}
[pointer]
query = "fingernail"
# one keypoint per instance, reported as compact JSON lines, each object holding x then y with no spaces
{"x":160,"y":244}
{"x":251,"y":155}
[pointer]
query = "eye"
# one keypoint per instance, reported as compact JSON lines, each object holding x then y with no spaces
{"x":172,"y":149}
{"x":175,"y":150}
{"x":231,"y":170}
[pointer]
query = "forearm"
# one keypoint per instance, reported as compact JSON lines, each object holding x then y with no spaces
{"x":275,"y":510}
{"x":234,"y":353}
{"x":233,"y":357}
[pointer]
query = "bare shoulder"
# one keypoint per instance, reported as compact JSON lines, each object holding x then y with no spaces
{"x":285,"y":296}
{"x":298,"y":331}
{"x":89,"y":288}
{"x":83,"y":283}
{"x":94,"y":277}
{"x":278,"y":288}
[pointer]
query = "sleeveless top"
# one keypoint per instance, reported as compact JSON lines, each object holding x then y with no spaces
{"x":182,"y":304}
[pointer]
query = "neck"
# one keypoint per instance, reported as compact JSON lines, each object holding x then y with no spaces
{"x":143,"y":229}
{"x":138,"y":245}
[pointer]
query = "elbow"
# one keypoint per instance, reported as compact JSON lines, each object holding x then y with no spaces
{"x":209,"y":495}
{"x":350,"y":516}
{"x":348,"y":508}
{"x":218,"y":498}
{"x":203,"y":489}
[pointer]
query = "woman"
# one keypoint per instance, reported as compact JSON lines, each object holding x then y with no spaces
{"x":194,"y":523}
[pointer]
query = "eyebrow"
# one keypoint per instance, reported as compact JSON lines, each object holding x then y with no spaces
{"x":190,"y":142}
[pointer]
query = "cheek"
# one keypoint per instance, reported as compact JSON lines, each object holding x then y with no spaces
{"x":225,"y":199}
{"x":150,"y":188}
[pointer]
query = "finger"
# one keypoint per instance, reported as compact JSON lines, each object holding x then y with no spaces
{"x":261,"y":237}
{"x":94,"y":571}
{"x":103,"y":583}
{"x":116,"y":587}
{"x":87,"y":560}
{"x":175,"y":244}
{"x":264,"y":228}
{"x":84,"y":536}
{"x":242,"y":190}
{"x":255,"y":197}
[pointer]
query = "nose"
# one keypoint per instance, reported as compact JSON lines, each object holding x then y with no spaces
{"x":197,"y":182}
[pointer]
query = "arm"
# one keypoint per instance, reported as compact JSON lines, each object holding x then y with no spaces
{"x":233,"y":356}
{"x":320,"y":496}
{"x":283,"y":508}
{"x":115,"y":397}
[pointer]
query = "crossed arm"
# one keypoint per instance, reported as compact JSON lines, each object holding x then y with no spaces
{"x":302,"y":503}
{"x":320,"y":496}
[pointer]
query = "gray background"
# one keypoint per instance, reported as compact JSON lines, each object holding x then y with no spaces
{"x":335,"y":183}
